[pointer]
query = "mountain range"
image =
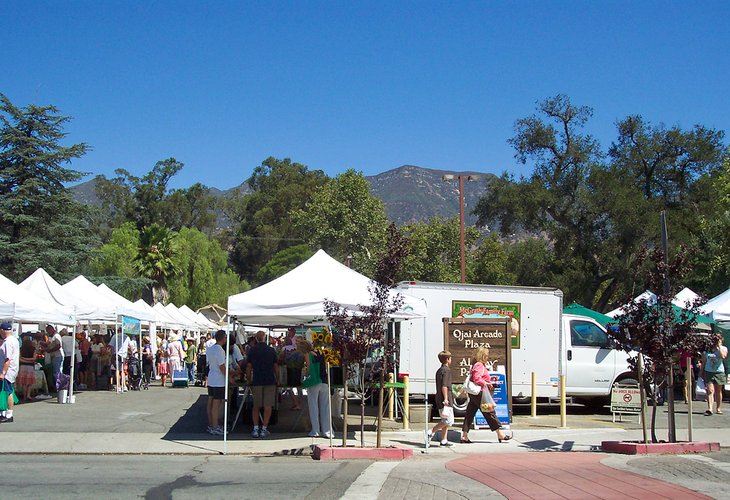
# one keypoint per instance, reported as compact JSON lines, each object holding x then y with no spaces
{"x":409,"y":193}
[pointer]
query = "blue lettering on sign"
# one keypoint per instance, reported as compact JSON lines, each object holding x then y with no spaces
{"x":500,"y":398}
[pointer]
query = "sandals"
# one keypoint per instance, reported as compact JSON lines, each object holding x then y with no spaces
{"x":507,"y":437}
{"x":466,"y":441}
{"x":708,"y":413}
{"x":719,"y":412}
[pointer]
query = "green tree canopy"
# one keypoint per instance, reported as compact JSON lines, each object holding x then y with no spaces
{"x":283,"y":262}
{"x":40,"y":223}
{"x":434,"y":250}
{"x":262,"y":224}
{"x":345,"y":220}
{"x":204,"y":276}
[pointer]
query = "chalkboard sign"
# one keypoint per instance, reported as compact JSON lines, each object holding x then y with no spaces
{"x":462,"y":337}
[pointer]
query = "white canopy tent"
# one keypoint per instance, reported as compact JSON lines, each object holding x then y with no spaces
{"x":298,"y":296}
{"x":172,"y":321}
{"x":123,"y":302}
{"x":190,"y":314}
{"x":41,"y":284}
{"x":718,"y":308}
{"x":646,"y":295}
{"x":684,"y":296}
{"x":174,"y":312}
{"x":205,"y":321}
{"x":19,"y":304}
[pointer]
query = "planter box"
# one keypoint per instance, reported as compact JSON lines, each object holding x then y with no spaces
{"x":639,"y":448}
{"x":351,"y":453}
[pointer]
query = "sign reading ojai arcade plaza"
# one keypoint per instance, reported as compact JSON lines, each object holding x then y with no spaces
{"x":462,"y":337}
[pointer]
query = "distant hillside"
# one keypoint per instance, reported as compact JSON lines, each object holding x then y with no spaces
{"x":416,"y":194}
{"x":410,"y":194}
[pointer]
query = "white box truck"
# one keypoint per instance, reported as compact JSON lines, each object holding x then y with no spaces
{"x":544,"y":341}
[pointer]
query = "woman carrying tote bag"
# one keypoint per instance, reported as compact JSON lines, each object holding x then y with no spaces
{"x":479,"y":375}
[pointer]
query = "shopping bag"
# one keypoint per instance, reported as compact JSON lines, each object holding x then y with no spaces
{"x":470,"y":387}
{"x":700,"y":389}
{"x":447,"y":415}
{"x":488,"y":404}
{"x":4,"y":396}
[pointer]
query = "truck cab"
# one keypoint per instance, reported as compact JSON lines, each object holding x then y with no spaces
{"x":592,"y":363}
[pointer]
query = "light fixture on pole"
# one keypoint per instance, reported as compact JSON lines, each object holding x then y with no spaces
{"x":461,"y":178}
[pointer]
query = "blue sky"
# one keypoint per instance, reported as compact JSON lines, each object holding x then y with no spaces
{"x":221,"y":85}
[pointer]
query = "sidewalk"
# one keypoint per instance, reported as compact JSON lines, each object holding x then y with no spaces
{"x":166,"y":421}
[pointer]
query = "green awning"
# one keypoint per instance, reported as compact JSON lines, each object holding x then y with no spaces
{"x":580,"y":310}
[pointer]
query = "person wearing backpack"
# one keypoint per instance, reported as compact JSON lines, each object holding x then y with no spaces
{"x":315,"y":381}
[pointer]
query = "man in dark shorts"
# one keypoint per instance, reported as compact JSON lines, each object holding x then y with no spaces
{"x":216,"y":358}
{"x":444,"y":400}
{"x":263,"y":373}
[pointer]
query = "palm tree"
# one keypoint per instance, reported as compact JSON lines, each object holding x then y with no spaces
{"x":154,"y":260}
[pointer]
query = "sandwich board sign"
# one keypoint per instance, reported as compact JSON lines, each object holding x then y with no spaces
{"x":462,"y":337}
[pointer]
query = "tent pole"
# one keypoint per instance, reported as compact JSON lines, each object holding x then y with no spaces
{"x":73,"y":358}
{"x":225,"y":404}
{"x":425,"y":382}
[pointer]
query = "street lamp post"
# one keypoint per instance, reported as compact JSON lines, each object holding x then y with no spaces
{"x":461,"y":178}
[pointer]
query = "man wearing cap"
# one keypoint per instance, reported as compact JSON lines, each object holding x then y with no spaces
{"x":9,"y":363}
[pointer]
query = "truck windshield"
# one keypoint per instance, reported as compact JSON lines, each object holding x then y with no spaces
{"x":587,"y":334}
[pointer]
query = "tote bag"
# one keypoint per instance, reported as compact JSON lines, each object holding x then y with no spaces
{"x":470,"y":387}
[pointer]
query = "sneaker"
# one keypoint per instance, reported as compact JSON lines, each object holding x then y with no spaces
{"x":264,"y":433}
{"x":328,"y":435}
{"x":313,"y":434}
{"x":209,"y":429}
{"x":6,"y":420}
{"x":218,"y":431}
{"x":255,"y":433}
{"x":446,"y":444}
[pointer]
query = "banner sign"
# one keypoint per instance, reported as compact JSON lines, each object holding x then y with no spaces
{"x":131,"y":326}
{"x":462,"y":337}
{"x":491,"y":310}
{"x":500,"y":397}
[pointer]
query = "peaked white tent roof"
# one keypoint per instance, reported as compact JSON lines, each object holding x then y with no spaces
{"x":162,"y":320}
{"x":171,"y":321}
{"x":186,"y":322}
{"x":41,"y":283}
{"x":298,"y":296}
{"x":17,"y":303}
{"x":647,"y":296}
{"x":205,"y":321}
{"x":135,"y":311}
{"x":108,"y":308}
{"x":718,"y":308}
{"x":683,"y":296}
{"x":190,"y":314}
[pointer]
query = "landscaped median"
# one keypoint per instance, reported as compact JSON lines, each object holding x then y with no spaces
{"x":639,"y":448}
{"x":352,"y":453}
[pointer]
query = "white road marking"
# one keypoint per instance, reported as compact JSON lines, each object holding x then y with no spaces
{"x":370,"y":481}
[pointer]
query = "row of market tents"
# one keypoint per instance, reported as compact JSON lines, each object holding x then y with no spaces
{"x":715,"y":311}
{"x":41,"y":299}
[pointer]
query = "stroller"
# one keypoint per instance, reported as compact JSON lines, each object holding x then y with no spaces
{"x":134,"y":372}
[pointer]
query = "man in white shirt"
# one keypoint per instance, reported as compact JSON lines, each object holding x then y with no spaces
{"x":120,"y":346}
{"x":9,"y":364}
{"x":216,"y":359}
{"x":55,"y":348}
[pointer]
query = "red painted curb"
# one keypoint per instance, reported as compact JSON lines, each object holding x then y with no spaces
{"x":634,"y":448}
{"x":351,"y":453}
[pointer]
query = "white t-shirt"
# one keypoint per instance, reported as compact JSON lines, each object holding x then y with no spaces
{"x":10,"y":349}
{"x":56,"y":339}
{"x":215,"y":357}
{"x":209,"y":343}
